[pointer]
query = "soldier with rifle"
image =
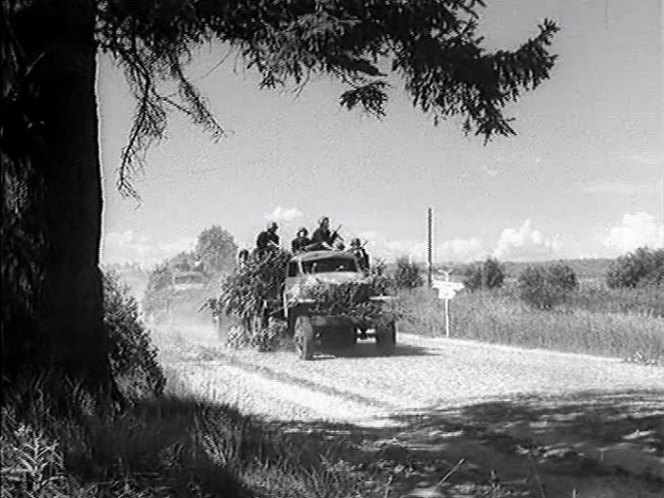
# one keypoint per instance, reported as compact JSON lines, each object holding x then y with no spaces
{"x":357,"y":249}
{"x":267,"y":240}
{"x":323,"y":236}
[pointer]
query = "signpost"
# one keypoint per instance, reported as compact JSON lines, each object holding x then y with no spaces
{"x":447,"y":290}
{"x":430,"y":247}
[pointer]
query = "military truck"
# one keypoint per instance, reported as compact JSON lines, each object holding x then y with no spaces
{"x":188,"y":280}
{"x":314,"y":325}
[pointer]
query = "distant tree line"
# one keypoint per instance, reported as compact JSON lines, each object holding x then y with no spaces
{"x":548,"y":284}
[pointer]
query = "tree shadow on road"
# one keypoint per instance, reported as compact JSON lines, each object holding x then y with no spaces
{"x":590,"y":444}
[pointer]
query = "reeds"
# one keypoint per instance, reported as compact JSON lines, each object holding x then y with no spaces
{"x":625,"y":323}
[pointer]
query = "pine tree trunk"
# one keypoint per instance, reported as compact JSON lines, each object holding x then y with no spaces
{"x":63,"y":215}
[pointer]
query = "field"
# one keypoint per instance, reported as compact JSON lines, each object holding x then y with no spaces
{"x":624,"y":323}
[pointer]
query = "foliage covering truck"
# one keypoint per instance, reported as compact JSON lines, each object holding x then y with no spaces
{"x":323,"y":296}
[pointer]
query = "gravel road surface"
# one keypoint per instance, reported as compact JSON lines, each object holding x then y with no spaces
{"x":575,"y":424}
{"x":424,"y":374}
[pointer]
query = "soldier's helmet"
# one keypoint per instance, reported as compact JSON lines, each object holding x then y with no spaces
{"x":355,"y":242}
{"x":323,"y":219}
{"x":302,"y":232}
{"x":272,"y":225}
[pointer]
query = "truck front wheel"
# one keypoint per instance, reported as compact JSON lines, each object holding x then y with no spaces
{"x":304,"y":337}
{"x":386,"y":338}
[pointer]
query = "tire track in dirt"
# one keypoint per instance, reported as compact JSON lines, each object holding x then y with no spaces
{"x":282,"y":377}
{"x":270,"y":394}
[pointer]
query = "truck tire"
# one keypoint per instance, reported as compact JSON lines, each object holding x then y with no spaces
{"x":349,"y":337}
{"x":304,"y":337}
{"x":293,"y":313}
{"x":386,"y":338}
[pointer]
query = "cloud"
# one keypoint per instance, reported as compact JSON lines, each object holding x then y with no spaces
{"x":381,"y":247}
{"x":461,"y":250}
{"x":526,"y":244}
{"x":458,"y":250}
{"x":646,"y":159}
{"x":492,"y":172}
{"x":514,"y":244}
{"x":283,"y":214}
{"x":128,"y":246}
{"x":635,"y":230}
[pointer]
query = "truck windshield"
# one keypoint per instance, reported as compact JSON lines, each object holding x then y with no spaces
{"x":329,"y":265}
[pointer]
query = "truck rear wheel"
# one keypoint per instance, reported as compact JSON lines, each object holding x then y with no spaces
{"x":304,"y":337}
{"x":386,"y":338}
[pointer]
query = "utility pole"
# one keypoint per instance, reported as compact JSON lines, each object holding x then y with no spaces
{"x":430,"y":247}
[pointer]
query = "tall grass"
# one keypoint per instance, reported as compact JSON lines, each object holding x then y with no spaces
{"x":594,"y":320}
{"x":170,"y":446}
{"x":598,"y":298}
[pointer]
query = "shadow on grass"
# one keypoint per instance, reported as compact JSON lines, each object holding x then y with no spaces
{"x":594,"y":444}
{"x":171,"y":446}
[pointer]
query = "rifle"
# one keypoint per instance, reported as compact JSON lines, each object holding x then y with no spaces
{"x":335,"y":235}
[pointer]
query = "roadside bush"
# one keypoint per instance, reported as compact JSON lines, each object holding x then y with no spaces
{"x":486,"y":275}
{"x":545,"y":287}
{"x":407,"y":275}
{"x":562,"y":276}
{"x":33,"y":463}
{"x":133,"y":357}
{"x":643,"y":267}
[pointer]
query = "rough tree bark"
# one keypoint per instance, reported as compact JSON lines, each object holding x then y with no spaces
{"x":56,"y":37}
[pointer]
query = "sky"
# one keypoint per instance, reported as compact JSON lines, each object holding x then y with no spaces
{"x":584,"y":177}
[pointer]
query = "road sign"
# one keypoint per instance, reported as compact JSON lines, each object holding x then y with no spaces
{"x":447,"y":289}
{"x":446,"y":293}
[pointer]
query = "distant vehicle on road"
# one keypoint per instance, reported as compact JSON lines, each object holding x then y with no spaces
{"x":188,"y":280}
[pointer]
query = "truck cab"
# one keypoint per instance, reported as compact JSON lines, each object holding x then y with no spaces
{"x":310,"y":328}
{"x":324,"y":266}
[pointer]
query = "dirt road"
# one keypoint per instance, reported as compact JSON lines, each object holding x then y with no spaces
{"x":503,"y":406}
{"x":424,"y":374}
